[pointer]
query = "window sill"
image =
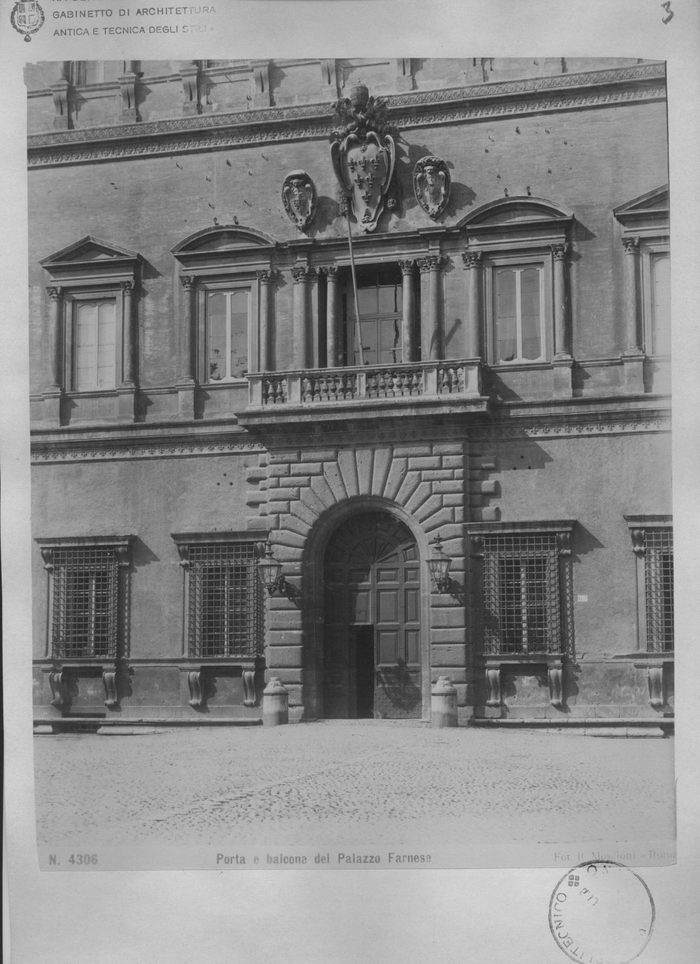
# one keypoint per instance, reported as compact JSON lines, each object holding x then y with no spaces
{"x":517,"y":366}
{"x":525,"y":658}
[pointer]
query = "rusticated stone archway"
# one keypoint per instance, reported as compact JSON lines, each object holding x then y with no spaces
{"x":303,"y":495}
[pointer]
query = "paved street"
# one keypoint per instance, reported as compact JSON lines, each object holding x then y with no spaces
{"x":380,"y":783}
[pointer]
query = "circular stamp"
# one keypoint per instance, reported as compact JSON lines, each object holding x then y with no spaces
{"x":601,"y":912}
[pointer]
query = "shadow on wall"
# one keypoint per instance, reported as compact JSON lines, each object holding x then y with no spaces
{"x":141,"y":555}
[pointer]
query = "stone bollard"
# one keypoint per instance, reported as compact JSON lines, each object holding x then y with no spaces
{"x":443,"y":703}
{"x":275,"y":703}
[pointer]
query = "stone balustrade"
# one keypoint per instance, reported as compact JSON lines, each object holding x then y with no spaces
{"x":371,"y":383}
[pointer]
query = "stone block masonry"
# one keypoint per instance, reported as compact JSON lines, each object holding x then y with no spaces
{"x":424,"y":482}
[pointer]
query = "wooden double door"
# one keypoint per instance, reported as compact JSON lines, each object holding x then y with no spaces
{"x":372,"y":632}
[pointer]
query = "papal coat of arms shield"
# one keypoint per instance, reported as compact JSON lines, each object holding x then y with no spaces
{"x":27,"y":17}
{"x":363,"y":155}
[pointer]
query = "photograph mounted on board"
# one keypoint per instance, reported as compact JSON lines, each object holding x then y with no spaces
{"x":351,"y":450}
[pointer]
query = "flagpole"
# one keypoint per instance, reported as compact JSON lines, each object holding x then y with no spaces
{"x":358,"y":330}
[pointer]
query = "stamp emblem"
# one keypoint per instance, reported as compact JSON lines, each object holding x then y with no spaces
{"x":601,"y":912}
{"x":27,"y":17}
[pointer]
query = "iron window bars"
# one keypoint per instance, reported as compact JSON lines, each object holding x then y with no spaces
{"x":658,"y":572}
{"x":652,"y":544}
{"x":525,"y":586}
{"x":225,"y":600}
{"x":87,"y":600}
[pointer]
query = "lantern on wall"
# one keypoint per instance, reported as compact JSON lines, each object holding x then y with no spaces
{"x":439,"y":565}
{"x":270,"y":573}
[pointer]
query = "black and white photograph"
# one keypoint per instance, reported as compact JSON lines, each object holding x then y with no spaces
{"x":351,"y":415}
{"x":351,"y":484}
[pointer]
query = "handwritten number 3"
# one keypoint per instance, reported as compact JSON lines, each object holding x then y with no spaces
{"x":669,"y":13}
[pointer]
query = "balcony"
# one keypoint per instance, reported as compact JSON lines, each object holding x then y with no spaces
{"x":372,"y":391}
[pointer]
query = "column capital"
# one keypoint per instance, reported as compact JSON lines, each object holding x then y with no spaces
{"x":407,"y":265}
{"x":302,"y":272}
{"x":559,"y":251}
{"x":472,"y":259}
{"x":432,"y":262}
{"x":55,"y":292}
{"x":187,"y":281}
{"x":126,"y":286}
{"x":267,"y":276}
{"x":331,"y":270}
{"x":631,"y":245}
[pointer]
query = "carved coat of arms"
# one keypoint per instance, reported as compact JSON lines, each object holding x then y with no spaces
{"x":363,"y":152}
{"x":431,"y":185}
{"x":299,"y":198}
{"x":27,"y":17}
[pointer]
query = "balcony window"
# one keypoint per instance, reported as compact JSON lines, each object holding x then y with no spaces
{"x":380,"y":300}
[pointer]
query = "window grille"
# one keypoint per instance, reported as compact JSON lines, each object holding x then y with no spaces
{"x":226,"y":601}
{"x":658,"y":572}
{"x":522,"y":598}
{"x":85,"y":603}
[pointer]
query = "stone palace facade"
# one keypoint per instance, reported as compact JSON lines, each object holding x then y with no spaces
{"x":265,"y":449}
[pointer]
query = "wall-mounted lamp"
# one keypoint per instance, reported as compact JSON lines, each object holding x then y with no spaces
{"x":270,"y":572}
{"x":439,"y":565}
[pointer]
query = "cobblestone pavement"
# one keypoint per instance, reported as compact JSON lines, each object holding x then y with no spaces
{"x":381,"y":783}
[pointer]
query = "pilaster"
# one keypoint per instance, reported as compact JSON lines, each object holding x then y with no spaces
{"x":408,"y":320}
{"x":186,"y":385}
{"x":473,"y":261}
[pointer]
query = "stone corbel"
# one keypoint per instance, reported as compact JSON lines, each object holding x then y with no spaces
{"x":329,"y":80}
{"x":183,"y":551}
{"x":477,"y":547}
{"x":47,"y":556}
{"x":59,"y":689}
{"x":655,"y":680}
{"x":195,"y":683}
{"x":60,"y":92}
{"x":564,"y":543}
{"x":261,"y":82}
{"x":249,"y":694}
{"x":404,"y":74}
{"x":109,"y":680}
{"x":493,"y":685}
{"x":556,"y":689}
{"x":189,"y":75}
{"x":127,"y":91}
{"x":638,"y":542}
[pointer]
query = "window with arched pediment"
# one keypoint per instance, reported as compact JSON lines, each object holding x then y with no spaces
{"x":226,"y":273}
{"x":517,"y":249}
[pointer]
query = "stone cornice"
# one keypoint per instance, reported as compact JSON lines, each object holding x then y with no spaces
{"x":312,"y":121}
{"x":76,"y":446}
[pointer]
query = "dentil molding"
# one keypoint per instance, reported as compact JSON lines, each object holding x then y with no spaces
{"x":312,"y":122}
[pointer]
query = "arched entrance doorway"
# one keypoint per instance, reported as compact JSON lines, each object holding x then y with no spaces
{"x":372,"y":620}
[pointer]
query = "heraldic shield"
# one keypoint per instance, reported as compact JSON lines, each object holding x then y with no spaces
{"x":431,"y":185}
{"x":363,"y":155}
{"x":299,"y":198}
